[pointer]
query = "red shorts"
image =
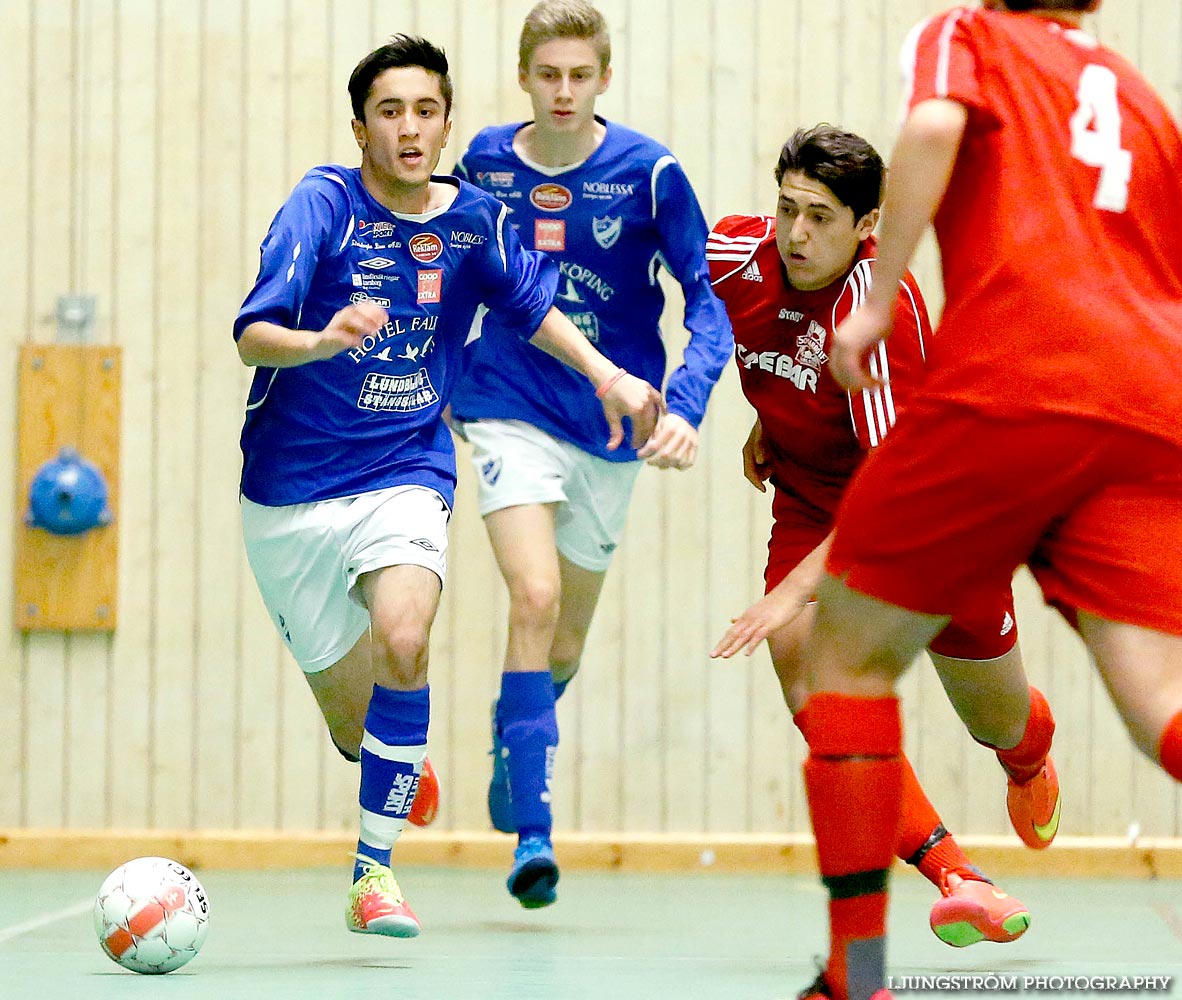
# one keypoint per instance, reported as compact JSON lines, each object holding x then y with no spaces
{"x":982,"y":632}
{"x":941,"y":514}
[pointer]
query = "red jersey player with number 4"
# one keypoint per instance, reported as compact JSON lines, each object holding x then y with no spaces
{"x":1047,"y":432}
{"x":787,"y":282}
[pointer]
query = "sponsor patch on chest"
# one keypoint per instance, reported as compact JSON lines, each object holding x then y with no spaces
{"x":430,"y":286}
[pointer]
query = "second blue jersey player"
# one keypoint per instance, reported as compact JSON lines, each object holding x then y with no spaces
{"x":370,"y":281}
{"x":611,"y":208}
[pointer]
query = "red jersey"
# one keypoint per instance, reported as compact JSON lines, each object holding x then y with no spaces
{"x":1059,"y":230}
{"x":815,"y":432}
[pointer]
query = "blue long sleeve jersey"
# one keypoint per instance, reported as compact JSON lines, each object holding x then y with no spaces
{"x":371,"y":417}
{"x":610,"y":223}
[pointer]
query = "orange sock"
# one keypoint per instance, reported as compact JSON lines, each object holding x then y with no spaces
{"x":854,"y":783}
{"x":1025,"y":760}
{"x":923,"y":839}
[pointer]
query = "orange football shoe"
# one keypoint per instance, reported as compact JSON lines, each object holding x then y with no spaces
{"x":376,"y":905}
{"x":972,"y":910}
{"x":1034,"y":807}
{"x":426,"y":803}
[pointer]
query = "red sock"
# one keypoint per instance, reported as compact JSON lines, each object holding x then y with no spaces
{"x":854,"y":784}
{"x":923,"y":840}
{"x":1025,"y":760}
{"x":1169,"y":748}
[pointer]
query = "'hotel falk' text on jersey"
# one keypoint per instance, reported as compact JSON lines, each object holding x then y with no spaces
{"x":815,"y":432}
{"x":610,"y":223}
{"x":370,"y":418}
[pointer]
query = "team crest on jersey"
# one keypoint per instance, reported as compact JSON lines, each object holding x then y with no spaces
{"x":810,"y":346}
{"x":425,"y":247}
{"x":550,"y":234}
{"x":490,"y":471}
{"x":607,"y":230}
{"x":551,"y":197}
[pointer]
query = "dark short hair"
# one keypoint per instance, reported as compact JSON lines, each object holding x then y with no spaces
{"x":845,"y":163}
{"x":400,"y":51}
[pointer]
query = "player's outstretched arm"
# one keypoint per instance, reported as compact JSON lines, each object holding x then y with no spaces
{"x":920,"y":167}
{"x":268,"y":345}
{"x":777,"y":608}
{"x":622,"y":394}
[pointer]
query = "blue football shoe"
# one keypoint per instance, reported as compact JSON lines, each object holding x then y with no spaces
{"x":535,"y":873}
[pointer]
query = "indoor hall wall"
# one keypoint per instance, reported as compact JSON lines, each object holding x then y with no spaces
{"x":147,"y":145}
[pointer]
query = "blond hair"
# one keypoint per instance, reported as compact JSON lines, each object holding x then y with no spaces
{"x":552,"y":19}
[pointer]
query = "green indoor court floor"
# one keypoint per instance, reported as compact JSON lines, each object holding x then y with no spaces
{"x":706,"y":936}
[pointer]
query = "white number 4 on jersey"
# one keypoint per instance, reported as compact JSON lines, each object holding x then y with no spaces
{"x":1095,"y":137}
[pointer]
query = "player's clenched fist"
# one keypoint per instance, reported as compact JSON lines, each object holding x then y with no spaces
{"x":349,"y":327}
{"x":632,"y":397}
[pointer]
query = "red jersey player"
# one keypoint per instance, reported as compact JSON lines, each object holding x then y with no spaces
{"x":1052,"y":173}
{"x":787,"y":282}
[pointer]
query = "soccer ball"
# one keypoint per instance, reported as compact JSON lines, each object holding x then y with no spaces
{"x":151,"y":915}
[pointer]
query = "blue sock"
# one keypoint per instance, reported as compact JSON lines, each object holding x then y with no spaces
{"x":560,"y":687}
{"x":529,"y":731}
{"x":392,"y":752}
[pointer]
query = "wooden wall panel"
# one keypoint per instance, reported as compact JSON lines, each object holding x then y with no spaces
{"x":685,"y":606}
{"x":639,"y":562}
{"x":218,"y":402}
{"x":173,"y":455}
{"x":131,"y":299}
{"x":53,"y":257}
{"x":308,"y":123}
{"x":16,"y":229}
{"x":170,"y":136}
{"x":88,"y":718}
{"x":733,"y":114}
{"x":266,"y":177}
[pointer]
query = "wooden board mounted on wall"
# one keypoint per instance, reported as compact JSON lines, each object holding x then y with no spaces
{"x":69,"y":397}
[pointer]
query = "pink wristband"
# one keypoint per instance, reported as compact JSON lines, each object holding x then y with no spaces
{"x":604,"y":389}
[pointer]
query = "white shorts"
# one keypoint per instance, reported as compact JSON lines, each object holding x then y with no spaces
{"x":307,"y":557}
{"x":516,"y":464}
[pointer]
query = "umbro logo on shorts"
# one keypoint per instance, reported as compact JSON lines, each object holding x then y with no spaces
{"x":424,"y":543}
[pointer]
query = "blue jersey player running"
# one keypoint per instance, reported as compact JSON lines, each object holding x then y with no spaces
{"x":369,"y":286}
{"x":611,"y":207}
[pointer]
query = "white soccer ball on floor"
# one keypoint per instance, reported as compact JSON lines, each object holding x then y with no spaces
{"x":151,"y":915}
